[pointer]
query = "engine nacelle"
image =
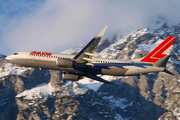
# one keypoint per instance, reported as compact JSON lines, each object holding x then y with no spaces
{"x":64,"y":62}
{"x":71,"y":77}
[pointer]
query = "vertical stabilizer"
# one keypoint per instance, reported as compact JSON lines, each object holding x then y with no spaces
{"x":160,"y":51}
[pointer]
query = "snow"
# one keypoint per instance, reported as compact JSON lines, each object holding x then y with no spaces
{"x":73,"y":89}
{"x":144,"y":47}
{"x":176,"y":113}
{"x":2,"y":57}
{"x":134,"y":35}
{"x":103,"y":113}
{"x":117,"y":102}
{"x":107,"y":116}
{"x":148,"y":47}
{"x":177,"y":81}
{"x":111,"y":47}
{"x":160,"y":32}
{"x":139,"y":32}
{"x":69,"y":117}
{"x":41,"y":91}
{"x":9,"y":68}
{"x":97,"y":103}
{"x":118,"y":117}
{"x":3,"y":102}
{"x":175,"y":61}
{"x":75,"y":49}
{"x":177,"y":90}
{"x":93,"y":84}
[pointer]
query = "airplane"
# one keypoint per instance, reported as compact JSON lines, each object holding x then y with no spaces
{"x":85,"y":64}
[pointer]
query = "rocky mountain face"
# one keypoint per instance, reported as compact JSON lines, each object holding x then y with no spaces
{"x":34,"y":94}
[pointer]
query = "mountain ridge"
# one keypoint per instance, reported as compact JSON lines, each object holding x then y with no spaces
{"x":133,"y":98}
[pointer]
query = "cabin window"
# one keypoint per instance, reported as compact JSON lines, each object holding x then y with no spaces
{"x":15,"y":53}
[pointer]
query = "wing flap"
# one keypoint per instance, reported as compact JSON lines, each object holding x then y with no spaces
{"x":95,"y":77}
{"x":90,"y":54}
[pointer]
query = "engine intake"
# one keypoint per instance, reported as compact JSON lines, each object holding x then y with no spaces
{"x":72,"y":77}
{"x":65,"y":62}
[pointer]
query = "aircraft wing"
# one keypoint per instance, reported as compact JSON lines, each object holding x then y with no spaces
{"x":95,"y":77}
{"x":86,"y":55}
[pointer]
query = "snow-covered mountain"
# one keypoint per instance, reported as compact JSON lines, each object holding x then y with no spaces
{"x":27,"y":93}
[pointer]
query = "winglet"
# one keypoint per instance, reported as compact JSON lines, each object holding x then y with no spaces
{"x":102,"y":32}
{"x":86,"y":55}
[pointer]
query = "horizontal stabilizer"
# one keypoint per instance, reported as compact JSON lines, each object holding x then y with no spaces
{"x":168,"y":72}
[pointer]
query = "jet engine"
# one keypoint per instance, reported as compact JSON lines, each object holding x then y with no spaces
{"x":72,"y":77}
{"x":65,"y":62}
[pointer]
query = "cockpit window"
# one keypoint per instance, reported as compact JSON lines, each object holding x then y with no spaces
{"x":15,"y":53}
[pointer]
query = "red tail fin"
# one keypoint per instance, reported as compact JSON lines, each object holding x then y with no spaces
{"x":157,"y":53}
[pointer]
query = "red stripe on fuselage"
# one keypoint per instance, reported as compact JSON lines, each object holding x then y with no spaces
{"x":41,"y":53}
{"x":156,"y":54}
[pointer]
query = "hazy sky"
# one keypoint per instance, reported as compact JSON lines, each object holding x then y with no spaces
{"x":56,"y":25}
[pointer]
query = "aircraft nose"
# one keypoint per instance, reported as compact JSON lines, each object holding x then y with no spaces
{"x":8,"y":58}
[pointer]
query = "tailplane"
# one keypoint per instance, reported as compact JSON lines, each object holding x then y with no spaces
{"x":160,"y":55}
{"x":168,"y":72}
{"x":162,"y":63}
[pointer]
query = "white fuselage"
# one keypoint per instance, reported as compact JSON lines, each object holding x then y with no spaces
{"x":100,"y":65}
